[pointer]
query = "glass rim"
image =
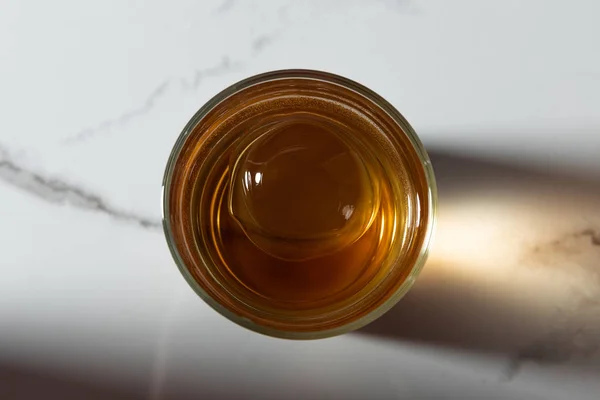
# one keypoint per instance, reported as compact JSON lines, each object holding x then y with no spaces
{"x":377,"y":100}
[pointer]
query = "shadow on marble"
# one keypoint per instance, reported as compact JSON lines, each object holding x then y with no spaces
{"x":514,"y":271}
{"x":22,"y":384}
{"x":18,"y":383}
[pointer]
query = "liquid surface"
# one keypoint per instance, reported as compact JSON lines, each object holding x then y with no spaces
{"x":294,"y":205}
{"x":299,"y":191}
{"x":300,"y":212}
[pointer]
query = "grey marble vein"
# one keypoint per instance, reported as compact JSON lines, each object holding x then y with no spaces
{"x":58,"y":191}
{"x":575,"y":332}
{"x":593,"y":234}
{"x":224,"y":66}
{"x":225,"y":6}
{"x":569,"y":339}
{"x":402,"y":6}
{"x":124,"y":118}
{"x":261,"y":42}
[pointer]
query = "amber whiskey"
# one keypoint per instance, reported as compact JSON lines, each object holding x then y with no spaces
{"x":298,"y":205}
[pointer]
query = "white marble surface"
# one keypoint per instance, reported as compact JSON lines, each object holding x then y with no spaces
{"x":94,"y":93}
